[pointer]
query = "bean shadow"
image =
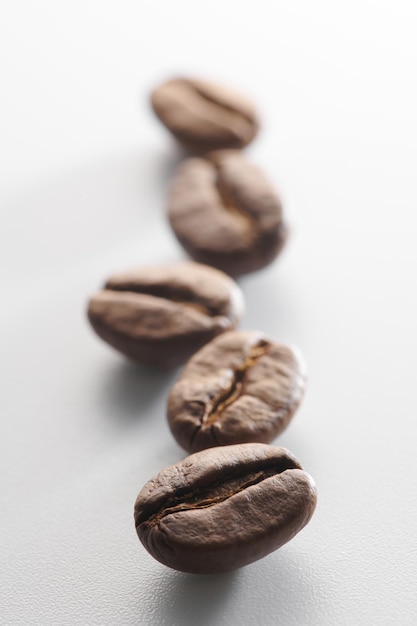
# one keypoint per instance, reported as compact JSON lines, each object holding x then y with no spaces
{"x":129,"y":390}
{"x":172,"y":157}
{"x":190,"y":599}
{"x":277,"y":590}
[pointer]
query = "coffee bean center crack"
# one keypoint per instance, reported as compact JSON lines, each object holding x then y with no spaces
{"x":218,"y":404}
{"x":217,"y":492}
{"x":178,"y":297}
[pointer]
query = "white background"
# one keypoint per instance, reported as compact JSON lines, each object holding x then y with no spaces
{"x":84,"y":168}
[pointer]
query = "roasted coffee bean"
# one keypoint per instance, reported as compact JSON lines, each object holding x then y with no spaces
{"x":225,"y":213}
{"x":223,"y":508}
{"x":240,"y":387}
{"x":162,"y":315}
{"x":205,"y":116}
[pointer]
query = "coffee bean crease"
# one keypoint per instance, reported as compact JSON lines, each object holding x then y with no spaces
{"x":205,"y":116}
{"x":225,"y":213}
{"x":161,"y":315}
{"x":218,"y":404}
{"x":223,"y":508}
{"x":224,"y":488}
{"x":240,"y":387}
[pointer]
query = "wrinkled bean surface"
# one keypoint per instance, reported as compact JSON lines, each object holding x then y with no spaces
{"x":222,"y":508}
{"x":240,"y":387}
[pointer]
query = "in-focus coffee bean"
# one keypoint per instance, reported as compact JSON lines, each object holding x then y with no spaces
{"x":226,"y":214}
{"x":238,"y":388}
{"x":205,"y":116}
{"x":222,"y":508}
{"x":162,"y":315}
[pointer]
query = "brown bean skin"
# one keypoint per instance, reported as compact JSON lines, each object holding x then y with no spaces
{"x":161,"y":315}
{"x":226,"y":214}
{"x":223,"y":508}
{"x":240,"y":387}
{"x":203,"y":115}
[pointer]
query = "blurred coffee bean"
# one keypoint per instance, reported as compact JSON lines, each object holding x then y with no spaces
{"x":203,"y":115}
{"x":162,"y":315}
{"x":226,"y":214}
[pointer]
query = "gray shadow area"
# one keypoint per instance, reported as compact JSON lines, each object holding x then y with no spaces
{"x":290,"y":589}
{"x":173,"y":155}
{"x":190,"y":599}
{"x":228,"y":599}
{"x":129,"y":389}
{"x":208,"y":595}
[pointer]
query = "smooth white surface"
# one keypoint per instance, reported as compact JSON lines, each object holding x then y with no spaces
{"x":84,"y":169}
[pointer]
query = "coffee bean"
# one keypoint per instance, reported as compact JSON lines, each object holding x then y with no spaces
{"x":223,"y":508}
{"x":225,"y":213}
{"x":205,"y":116}
{"x":240,"y":387}
{"x":162,"y":315}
